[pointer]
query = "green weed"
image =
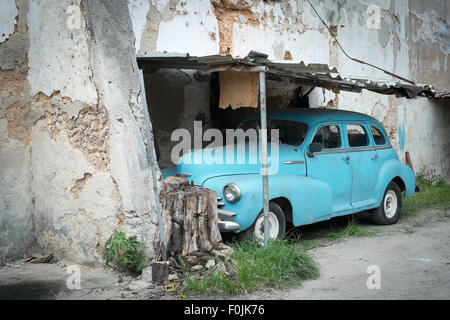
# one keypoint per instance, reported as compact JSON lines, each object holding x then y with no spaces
{"x":128,"y":252}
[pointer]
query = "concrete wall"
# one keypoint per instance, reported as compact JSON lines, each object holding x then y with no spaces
{"x":73,"y":164}
{"x":412,"y":40}
{"x":16,"y":119}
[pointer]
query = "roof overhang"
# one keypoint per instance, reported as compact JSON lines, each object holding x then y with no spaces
{"x":313,"y":75}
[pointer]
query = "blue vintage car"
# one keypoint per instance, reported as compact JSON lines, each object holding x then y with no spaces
{"x":330,"y":163}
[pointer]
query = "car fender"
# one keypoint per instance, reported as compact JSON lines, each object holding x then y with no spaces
{"x":309,"y":197}
{"x":389,"y":170}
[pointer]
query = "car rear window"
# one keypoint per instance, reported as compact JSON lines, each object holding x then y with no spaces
{"x":378,"y":137}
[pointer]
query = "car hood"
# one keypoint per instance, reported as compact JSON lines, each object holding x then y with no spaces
{"x":206,"y":163}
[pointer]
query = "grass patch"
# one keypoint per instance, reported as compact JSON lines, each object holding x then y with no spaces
{"x":279,"y":265}
{"x":352,"y":229}
{"x":214,"y":283}
{"x":125,"y":251}
{"x":434,"y":193}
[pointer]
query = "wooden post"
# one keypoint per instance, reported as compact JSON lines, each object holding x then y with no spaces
{"x":265,"y":184}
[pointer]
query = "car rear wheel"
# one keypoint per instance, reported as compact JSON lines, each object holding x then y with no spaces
{"x":389,"y":210}
{"x":277,"y":225}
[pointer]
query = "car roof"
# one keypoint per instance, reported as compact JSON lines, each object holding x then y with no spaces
{"x":312,"y":116}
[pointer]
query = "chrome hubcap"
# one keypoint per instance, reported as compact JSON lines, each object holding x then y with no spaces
{"x":390,"y":204}
{"x":274,"y":227}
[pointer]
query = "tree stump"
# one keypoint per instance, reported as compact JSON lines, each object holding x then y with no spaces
{"x":190,"y":221}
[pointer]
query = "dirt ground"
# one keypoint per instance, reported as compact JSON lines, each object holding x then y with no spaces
{"x":412,"y":259}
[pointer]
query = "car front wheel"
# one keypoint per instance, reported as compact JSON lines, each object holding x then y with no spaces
{"x":277,"y":225}
{"x":389,"y":210}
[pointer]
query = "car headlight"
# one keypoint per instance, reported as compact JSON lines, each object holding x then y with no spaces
{"x":231,"y":193}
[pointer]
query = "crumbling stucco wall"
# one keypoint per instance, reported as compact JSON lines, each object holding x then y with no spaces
{"x":73,"y":155}
{"x":411,"y":40}
{"x":16,"y":119}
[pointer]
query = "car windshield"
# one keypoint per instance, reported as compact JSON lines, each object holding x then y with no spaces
{"x":290,"y":132}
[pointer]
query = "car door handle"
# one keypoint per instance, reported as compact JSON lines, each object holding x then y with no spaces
{"x":374,"y":157}
{"x":347,"y":158}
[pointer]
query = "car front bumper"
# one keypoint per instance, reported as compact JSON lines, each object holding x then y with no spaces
{"x":228,"y":226}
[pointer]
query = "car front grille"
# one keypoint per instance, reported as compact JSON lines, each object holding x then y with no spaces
{"x":224,"y":215}
{"x":220,"y":203}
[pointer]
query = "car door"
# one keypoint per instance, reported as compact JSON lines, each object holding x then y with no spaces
{"x":364,"y":165}
{"x":331,"y":165}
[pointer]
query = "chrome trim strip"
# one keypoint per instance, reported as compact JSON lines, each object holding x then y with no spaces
{"x":293,"y":162}
{"x":220,"y":204}
{"x":352,"y":150}
{"x":219,"y":198}
{"x":226,"y":213}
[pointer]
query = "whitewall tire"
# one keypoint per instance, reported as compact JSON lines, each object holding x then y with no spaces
{"x":277,"y":225}
{"x":391,"y":205}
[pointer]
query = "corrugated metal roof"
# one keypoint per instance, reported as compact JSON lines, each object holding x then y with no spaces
{"x":319,"y":75}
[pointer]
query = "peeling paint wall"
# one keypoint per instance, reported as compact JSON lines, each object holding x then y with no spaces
{"x":73,"y":154}
{"x":412,"y":41}
{"x":59,"y":51}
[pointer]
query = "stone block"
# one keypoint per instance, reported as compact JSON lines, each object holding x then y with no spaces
{"x":160,"y":271}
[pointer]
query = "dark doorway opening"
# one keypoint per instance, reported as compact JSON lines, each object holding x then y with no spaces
{"x":176,"y":98}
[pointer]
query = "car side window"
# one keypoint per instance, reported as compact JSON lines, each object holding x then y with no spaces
{"x":378,"y":137}
{"x":357,"y":136}
{"x":329,"y":137}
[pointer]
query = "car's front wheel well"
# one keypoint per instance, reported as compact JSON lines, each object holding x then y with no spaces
{"x":400,"y":183}
{"x":286,"y":206}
